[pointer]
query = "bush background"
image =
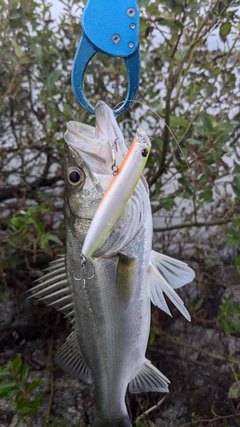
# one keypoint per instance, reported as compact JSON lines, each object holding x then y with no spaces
{"x":188,"y":101}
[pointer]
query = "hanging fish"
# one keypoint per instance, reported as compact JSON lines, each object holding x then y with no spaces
{"x":108,"y":298}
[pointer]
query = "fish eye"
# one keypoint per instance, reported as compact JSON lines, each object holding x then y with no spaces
{"x":144,"y":152}
{"x":75,"y":176}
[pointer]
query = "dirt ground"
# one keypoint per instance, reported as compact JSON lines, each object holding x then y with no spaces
{"x":195,"y":356}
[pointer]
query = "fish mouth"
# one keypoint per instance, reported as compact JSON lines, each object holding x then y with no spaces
{"x":99,"y":146}
{"x":106,"y":128}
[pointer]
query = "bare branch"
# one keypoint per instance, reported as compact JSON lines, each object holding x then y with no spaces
{"x":18,"y":191}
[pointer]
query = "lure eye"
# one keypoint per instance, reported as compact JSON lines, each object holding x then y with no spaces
{"x":75,"y":176}
{"x":144,"y":152}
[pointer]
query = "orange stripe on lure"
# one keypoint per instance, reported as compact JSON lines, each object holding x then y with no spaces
{"x":118,"y":193}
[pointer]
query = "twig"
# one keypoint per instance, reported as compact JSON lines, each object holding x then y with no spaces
{"x":148,"y":411}
{"x":17,"y":191}
{"x":226,"y":358}
{"x":49,"y":407}
{"x":194,"y":224}
{"x":205,"y":420}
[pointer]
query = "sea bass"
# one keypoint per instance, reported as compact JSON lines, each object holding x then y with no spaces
{"x":108,"y":301}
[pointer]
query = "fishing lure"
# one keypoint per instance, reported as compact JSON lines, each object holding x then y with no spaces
{"x":118,"y":193}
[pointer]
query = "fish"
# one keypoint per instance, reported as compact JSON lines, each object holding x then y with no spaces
{"x":119,"y":191}
{"x":108,"y":299}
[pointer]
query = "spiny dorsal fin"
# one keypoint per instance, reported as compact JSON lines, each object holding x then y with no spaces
{"x":165,"y":275}
{"x":53,"y":288}
{"x":69,"y":358}
{"x":148,"y":378}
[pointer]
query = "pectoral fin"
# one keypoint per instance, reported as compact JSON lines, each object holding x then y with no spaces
{"x":126,"y":279}
{"x":165,"y":275}
{"x":148,"y":378}
{"x":69,"y":358}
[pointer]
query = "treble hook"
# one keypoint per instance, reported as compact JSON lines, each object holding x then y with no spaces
{"x":83,"y":271}
{"x":114,"y":165}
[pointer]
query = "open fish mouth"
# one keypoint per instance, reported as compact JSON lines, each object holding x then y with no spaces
{"x":100,"y":146}
{"x":82,"y":138}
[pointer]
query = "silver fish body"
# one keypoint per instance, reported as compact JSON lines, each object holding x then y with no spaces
{"x":108,"y":299}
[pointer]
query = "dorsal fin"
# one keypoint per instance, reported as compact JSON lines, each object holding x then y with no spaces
{"x":53,"y":288}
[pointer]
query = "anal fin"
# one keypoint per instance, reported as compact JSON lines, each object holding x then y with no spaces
{"x":69,"y":358}
{"x":148,"y":378}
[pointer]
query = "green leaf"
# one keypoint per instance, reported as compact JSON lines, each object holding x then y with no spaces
{"x":27,"y":412}
{"x":178,"y":24}
{"x":227,"y":326}
{"x":226,"y":127}
{"x":8,"y":388}
{"x":233,"y":238}
{"x":22,"y":402}
{"x":206,"y":195}
{"x":25,"y":407}
{"x":38,"y":400}
{"x":236,"y":185}
{"x":16,"y":222}
{"x":54,"y":77}
{"x":40,"y":226}
{"x":233,"y":233}
{"x":203,"y":179}
{"x":153,"y":332}
{"x":54,"y":238}
{"x":188,"y":193}
{"x":24,"y":372}
{"x":4,"y":372}
{"x":234,"y":391}
{"x":16,"y":364}
{"x":25,"y":60}
{"x":38,"y":50}
{"x":225,"y":29}
{"x":229,"y":317}
{"x":17,"y":48}
{"x":44,"y":244}
{"x":206,"y":122}
{"x":192,"y":141}
{"x":178,"y":121}
{"x":32,"y":210}
{"x":143,"y":3}
{"x":167,"y":203}
{"x":198,"y":305}
{"x":159,"y":143}
{"x":33,"y":385}
{"x":237,"y":261}
{"x":221,"y":7}
{"x":236,"y":169}
{"x":153,"y":9}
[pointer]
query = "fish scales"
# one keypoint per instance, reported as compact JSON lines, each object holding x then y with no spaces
{"x":108,"y":299}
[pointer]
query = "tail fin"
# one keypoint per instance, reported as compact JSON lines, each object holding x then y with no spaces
{"x":119,"y":422}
